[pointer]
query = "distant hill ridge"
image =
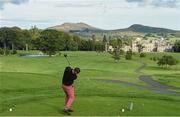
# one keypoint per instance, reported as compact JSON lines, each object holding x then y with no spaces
{"x":149,"y":29}
{"x":74,"y":27}
{"x":83,"y":27}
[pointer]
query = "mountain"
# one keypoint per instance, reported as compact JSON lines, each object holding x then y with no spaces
{"x":147,"y":29}
{"x":82,"y":27}
{"x":75,"y":27}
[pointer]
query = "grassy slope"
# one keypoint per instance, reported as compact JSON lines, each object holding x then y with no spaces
{"x":31,"y":87}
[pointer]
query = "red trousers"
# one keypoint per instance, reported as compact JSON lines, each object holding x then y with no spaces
{"x":69,"y":95}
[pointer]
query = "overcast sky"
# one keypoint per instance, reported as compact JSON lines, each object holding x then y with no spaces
{"x":105,"y":14}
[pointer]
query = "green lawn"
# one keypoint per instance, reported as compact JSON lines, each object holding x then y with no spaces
{"x":31,"y":86}
{"x":170,"y":76}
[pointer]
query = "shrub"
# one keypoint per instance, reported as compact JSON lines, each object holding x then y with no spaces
{"x":14,"y":52}
{"x":154,"y":59}
{"x":142,"y":55}
{"x":167,"y":60}
{"x":23,"y":54}
{"x":134,"y":53}
{"x":1,"y":51}
{"x":128,"y":55}
{"x":7,"y":51}
{"x":116,"y":55}
{"x":122,"y":52}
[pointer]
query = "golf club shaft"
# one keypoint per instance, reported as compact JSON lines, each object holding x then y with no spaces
{"x":67,"y":60}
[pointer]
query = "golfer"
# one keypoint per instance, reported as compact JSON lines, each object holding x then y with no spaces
{"x":69,"y":76}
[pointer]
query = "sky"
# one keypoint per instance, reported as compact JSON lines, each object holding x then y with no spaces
{"x":104,"y":14}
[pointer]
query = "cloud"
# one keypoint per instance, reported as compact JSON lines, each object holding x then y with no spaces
{"x":79,"y":4}
{"x":74,"y":5}
{"x":156,"y":3}
{"x":24,"y":20}
{"x":134,"y":0}
{"x":166,"y":3}
{"x":106,"y":14}
{"x":16,"y":2}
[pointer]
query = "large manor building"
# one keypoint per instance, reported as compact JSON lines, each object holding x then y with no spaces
{"x":149,"y":45}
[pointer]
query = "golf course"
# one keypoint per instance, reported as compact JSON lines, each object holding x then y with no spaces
{"x":31,"y":86}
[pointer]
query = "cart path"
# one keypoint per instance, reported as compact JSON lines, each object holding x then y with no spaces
{"x":152,"y":84}
{"x":148,"y":79}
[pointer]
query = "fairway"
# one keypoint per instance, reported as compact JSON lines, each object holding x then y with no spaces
{"x":32,"y":86}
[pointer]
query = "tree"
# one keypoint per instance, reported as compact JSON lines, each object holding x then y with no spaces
{"x":140,"y":47}
{"x":73,"y":46}
{"x":117,"y":44}
{"x":172,"y":61}
{"x":9,"y":37}
{"x":4,"y":37}
{"x":176,"y":46}
{"x":128,"y":55}
{"x":105,"y":43}
{"x":25,"y":40}
{"x":67,"y":40}
{"x":77,"y":40}
{"x":34,"y":34}
{"x":155,"y":49}
{"x":104,"y":39}
{"x":48,"y":41}
{"x":167,"y":60}
{"x":14,"y":34}
{"x":92,"y":45}
{"x":99,"y":46}
{"x":84,"y":45}
{"x":113,"y":42}
{"x":92,"y":42}
{"x":94,"y":37}
{"x":116,"y":54}
{"x":128,"y":40}
{"x":142,"y":55}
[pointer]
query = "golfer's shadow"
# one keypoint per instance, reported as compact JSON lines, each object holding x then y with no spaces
{"x":58,"y":109}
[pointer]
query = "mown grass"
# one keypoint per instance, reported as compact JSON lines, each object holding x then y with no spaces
{"x":32,"y":86}
{"x":168,"y":76}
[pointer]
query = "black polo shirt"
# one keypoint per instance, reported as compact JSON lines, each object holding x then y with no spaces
{"x":68,"y":77}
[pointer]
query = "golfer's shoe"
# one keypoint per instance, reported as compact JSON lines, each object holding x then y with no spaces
{"x":70,"y":110}
{"x":67,"y":111}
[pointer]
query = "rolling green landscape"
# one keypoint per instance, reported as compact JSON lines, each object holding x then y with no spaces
{"x":31,"y":86}
{"x":116,"y":57}
{"x":111,"y":83}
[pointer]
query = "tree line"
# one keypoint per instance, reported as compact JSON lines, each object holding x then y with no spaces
{"x":48,"y":41}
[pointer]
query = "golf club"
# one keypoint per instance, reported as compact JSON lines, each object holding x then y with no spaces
{"x":65,"y":55}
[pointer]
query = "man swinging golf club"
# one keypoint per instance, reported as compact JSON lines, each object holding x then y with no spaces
{"x":69,"y":76}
